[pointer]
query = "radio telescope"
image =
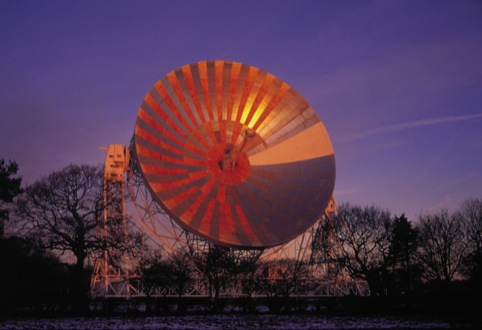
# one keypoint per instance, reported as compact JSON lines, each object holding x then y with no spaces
{"x":234,"y":155}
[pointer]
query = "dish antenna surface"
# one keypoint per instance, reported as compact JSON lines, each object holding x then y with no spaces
{"x":234,"y":154}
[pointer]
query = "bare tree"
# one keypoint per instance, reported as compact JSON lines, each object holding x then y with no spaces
{"x":181,"y":271}
{"x":470,"y":214}
{"x":155,"y":279}
{"x":363,"y":234}
{"x":281,"y":278}
{"x":218,"y":267}
{"x":442,"y":245}
{"x":226,"y":270}
{"x":64,"y":212}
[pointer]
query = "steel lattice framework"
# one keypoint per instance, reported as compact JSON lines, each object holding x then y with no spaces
{"x":116,"y":273}
{"x":304,"y":255}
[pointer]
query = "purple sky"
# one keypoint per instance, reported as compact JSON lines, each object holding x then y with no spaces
{"x":398,"y":84}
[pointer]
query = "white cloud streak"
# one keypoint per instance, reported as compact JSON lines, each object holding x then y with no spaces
{"x":413,"y":124}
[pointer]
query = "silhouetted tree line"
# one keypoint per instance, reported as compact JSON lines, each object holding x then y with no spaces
{"x":54,"y":233}
{"x":395,"y":256}
{"x":51,"y":233}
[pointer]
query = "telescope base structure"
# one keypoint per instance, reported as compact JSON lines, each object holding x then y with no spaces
{"x":115,"y":272}
{"x":291,"y":269}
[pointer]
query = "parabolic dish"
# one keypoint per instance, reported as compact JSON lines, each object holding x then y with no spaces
{"x":234,"y":154}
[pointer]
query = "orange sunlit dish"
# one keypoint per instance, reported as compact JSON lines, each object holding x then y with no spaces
{"x":234,"y":154}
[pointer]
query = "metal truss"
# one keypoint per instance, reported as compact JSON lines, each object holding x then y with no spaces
{"x":297,"y":268}
{"x":116,"y":271}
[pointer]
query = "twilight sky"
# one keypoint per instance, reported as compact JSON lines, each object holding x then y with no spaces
{"x":398,"y":84}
